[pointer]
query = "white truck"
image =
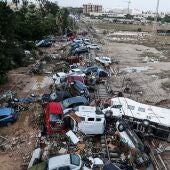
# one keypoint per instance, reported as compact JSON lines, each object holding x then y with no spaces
{"x":87,"y":119}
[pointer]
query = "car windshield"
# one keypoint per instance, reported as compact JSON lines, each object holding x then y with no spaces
{"x":79,"y":71}
{"x":66,"y":103}
{"x":75,"y":159}
{"x":54,"y":117}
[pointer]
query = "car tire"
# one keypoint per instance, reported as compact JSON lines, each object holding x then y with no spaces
{"x":121,"y":127}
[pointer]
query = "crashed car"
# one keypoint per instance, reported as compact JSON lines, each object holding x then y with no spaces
{"x":90,"y":70}
{"x":8,"y":115}
{"x":77,"y":71}
{"x":90,"y":121}
{"x":54,"y":117}
{"x":72,"y":77}
{"x":62,"y":162}
{"x":80,"y":50}
{"x":59,"y":77}
{"x":43,"y":43}
{"x":56,"y":97}
{"x":104,"y":60}
{"x":80,"y":89}
{"x":143,"y":118}
{"x":74,"y":102}
{"x":101,"y":73}
{"x":93,"y":46}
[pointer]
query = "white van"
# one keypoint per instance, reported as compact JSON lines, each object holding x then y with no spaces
{"x":65,"y":162}
{"x":91,"y":120}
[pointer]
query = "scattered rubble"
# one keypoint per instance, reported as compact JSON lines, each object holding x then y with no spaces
{"x":123,"y":149}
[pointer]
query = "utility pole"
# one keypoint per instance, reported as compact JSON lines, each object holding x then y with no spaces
{"x":156,"y":16}
{"x":128,"y":2}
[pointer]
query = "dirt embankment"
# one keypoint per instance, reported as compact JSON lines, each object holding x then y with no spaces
{"x":144,"y":60}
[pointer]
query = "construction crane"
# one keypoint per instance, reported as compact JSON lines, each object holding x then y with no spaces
{"x":128,"y":2}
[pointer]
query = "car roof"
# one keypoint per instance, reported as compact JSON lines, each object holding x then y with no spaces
{"x":55,"y":107}
{"x":76,"y":99}
{"x":92,"y":67}
{"x":61,"y":74}
{"x":6,"y":111}
{"x":76,"y":69}
{"x":79,"y":83}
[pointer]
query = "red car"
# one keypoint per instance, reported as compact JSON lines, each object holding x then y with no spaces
{"x":54,"y":117}
{"x":72,"y":77}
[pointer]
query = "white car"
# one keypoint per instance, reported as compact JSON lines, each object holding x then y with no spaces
{"x":104,"y":60}
{"x":59,"y":77}
{"x":77,"y":71}
{"x":93,"y":46}
{"x":68,"y":161}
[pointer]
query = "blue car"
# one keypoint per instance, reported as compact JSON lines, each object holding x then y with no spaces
{"x":80,"y":89}
{"x":7,"y":115}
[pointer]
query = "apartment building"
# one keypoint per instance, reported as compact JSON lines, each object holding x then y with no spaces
{"x":87,"y":8}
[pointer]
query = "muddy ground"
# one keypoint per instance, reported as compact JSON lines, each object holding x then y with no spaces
{"x":143,"y":64}
{"x":143,"y":68}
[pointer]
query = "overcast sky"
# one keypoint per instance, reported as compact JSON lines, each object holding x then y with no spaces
{"x":109,"y":4}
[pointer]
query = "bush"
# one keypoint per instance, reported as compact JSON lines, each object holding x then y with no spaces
{"x":3,"y":78}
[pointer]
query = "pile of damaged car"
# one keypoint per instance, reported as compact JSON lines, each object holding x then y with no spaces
{"x":83,"y":123}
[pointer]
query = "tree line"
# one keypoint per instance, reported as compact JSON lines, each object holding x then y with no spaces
{"x":19,"y":29}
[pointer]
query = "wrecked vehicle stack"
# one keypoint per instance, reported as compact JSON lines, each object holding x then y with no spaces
{"x":80,"y":129}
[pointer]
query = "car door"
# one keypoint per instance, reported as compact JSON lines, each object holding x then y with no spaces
{"x":87,"y":125}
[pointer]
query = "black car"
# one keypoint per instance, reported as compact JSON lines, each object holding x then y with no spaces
{"x":80,"y":50}
{"x":80,"y":89}
{"x":57,"y":97}
{"x":74,"y":102}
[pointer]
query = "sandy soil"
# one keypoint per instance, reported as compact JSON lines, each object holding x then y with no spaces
{"x":148,"y":63}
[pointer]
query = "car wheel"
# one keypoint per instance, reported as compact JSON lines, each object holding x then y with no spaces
{"x":121,"y":127}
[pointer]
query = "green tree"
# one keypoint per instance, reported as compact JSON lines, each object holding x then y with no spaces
{"x":128,"y":16}
{"x":166,"y":18}
{"x":62,"y":20}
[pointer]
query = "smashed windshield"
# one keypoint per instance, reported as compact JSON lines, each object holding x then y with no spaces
{"x":75,"y":159}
